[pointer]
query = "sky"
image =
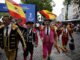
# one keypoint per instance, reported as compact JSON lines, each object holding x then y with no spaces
{"x":56,"y":9}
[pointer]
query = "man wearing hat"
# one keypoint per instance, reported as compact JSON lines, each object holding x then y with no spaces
{"x":48,"y":36}
{"x":30,"y":39}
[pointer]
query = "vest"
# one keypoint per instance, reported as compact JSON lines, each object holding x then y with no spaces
{"x":13,"y":39}
{"x":29,"y":36}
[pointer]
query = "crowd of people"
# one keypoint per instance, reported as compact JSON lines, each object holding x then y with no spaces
{"x":12,"y":31}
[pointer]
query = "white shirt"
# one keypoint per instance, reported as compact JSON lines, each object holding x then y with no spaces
{"x":37,"y":25}
{"x":65,"y":30}
{"x":9,"y":29}
{"x":48,"y":30}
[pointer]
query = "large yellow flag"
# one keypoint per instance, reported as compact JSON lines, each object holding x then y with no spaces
{"x":15,"y":10}
{"x":48,"y":14}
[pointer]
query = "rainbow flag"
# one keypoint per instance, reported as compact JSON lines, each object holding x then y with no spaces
{"x":15,"y":10}
{"x":48,"y":14}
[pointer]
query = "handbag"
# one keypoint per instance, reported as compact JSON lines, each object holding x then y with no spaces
{"x":72,"y":45}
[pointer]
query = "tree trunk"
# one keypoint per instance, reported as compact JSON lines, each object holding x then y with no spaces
{"x":66,"y":14}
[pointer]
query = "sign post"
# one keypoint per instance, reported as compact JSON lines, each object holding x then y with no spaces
{"x":29,"y":9}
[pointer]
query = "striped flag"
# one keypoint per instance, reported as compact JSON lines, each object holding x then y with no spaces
{"x":48,"y":14}
{"x":15,"y":10}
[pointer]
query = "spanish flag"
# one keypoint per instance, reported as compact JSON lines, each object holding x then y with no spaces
{"x":15,"y":10}
{"x":48,"y":14}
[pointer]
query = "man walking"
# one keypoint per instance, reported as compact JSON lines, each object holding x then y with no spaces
{"x":48,"y":36}
{"x":10,"y":35}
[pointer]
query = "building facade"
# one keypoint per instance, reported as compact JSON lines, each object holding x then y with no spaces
{"x":73,"y":13}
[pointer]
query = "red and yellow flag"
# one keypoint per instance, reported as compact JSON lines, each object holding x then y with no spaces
{"x":15,"y":10}
{"x":48,"y":14}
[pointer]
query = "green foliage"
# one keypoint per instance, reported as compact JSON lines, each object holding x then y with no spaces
{"x":67,"y":3}
{"x":77,"y":2}
{"x":3,"y":14}
{"x":41,"y":4}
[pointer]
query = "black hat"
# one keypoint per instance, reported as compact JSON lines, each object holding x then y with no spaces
{"x":29,"y":22}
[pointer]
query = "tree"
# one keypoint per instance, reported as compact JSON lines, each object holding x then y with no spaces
{"x":4,"y":14}
{"x":67,"y":3}
{"x":77,"y":2}
{"x":41,"y":4}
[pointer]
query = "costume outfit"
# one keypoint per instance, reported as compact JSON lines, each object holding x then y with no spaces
{"x":9,"y":39}
{"x":64,"y":36}
{"x":70,"y":30}
{"x":49,"y":36}
{"x":31,"y":39}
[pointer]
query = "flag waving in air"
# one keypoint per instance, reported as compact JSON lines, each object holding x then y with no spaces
{"x":48,"y":14}
{"x":15,"y":10}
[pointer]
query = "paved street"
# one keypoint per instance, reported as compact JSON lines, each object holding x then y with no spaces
{"x":75,"y":55}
